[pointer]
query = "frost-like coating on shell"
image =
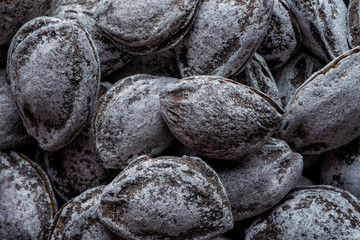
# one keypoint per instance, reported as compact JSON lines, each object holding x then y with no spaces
{"x":12,"y":132}
{"x":55,"y":76}
{"x":14,"y":13}
{"x":294,"y":73}
{"x":323,"y":114}
{"x":311,"y":212}
{"x":353,"y":23}
{"x":144,"y":26}
{"x":258,"y":75}
{"x":258,"y":182}
{"x":323,"y":24}
{"x":78,"y":219}
{"x":283,"y":36}
{"x":77,"y":167}
{"x":27,"y":205}
{"x":222,"y":41}
{"x":128,"y":122}
{"x":219,"y":118}
{"x":341,"y":167}
{"x":156,"y":64}
{"x":111,"y":58}
{"x":166,"y":198}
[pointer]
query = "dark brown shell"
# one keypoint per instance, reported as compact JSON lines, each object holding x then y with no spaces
{"x":27,"y":205}
{"x":311,"y":212}
{"x":166,"y":198}
{"x":353,"y":23}
{"x":219,"y":118}
{"x":55,"y":76}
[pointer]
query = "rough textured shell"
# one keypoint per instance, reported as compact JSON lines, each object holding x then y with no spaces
{"x":219,"y":118}
{"x":12,"y":131}
{"x":144,"y":26}
{"x":282,"y":38}
{"x":14,"y":13}
{"x":166,"y":198}
{"x":111,"y":58}
{"x":257,"y":75}
{"x":78,"y":219}
{"x":353,"y":23}
{"x":27,"y":205}
{"x":294,"y":73}
{"x":222,"y":40}
{"x":323,"y":24}
{"x":128,"y":122}
{"x":156,"y":64}
{"x":260,"y":181}
{"x":317,"y":212}
{"x":55,"y":102}
{"x":341,"y":167}
{"x":323,"y":113}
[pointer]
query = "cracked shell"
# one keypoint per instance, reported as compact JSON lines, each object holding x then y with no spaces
{"x":166,"y":198}
{"x":323,"y":113}
{"x":222,"y":41}
{"x":219,"y":118}
{"x":311,"y":212}
{"x":145,"y":26}
{"x":128,"y":122}
{"x":27,"y":205}
{"x":78,"y":219}
{"x":55,"y":75}
{"x":260,"y":181}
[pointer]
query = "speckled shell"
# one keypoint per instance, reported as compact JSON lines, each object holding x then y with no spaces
{"x":222,"y":40}
{"x":323,"y":24}
{"x":78,"y":219}
{"x":27,"y":205}
{"x":341,"y":167}
{"x":111,"y":58}
{"x":219,"y":118}
{"x":283,"y":36}
{"x":55,"y":74}
{"x":260,"y":181}
{"x":128,"y":122}
{"x":14,"y":13}
{"x":157,"y":64}
{"x":295,"y":72}
{"x":353,"y":23}
{"x":166,"y":198}
{"x":323,"y":113}
{"x":144,"y":26}
{"x":258,"y":75}
{"x":12,"y":132}
{"x":312,"y":212}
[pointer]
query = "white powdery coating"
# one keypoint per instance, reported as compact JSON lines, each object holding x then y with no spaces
{"x":12,"y":131}
{"x":145,"y":24}
{"x":128,"y":122}
{"x":55,"y":76}
{"x":323,"y":113}
{"x":219,"y":118}
{"x":353,"y":23}
{"x":341,"y":167}
{"x":111,"y":58}
{"x":312,"y":212}
{"x":166,"y":197}
{"x":14,"y":13}
{"x":323,"y":24}
{"x":257,"y":75}
{"x":222,"y":40}
{"x":294,"y":73}
{"x":282,"y":38}
{"x":27,"y":205}
{"x":260,"y":181}
{"x":78,"y":218}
